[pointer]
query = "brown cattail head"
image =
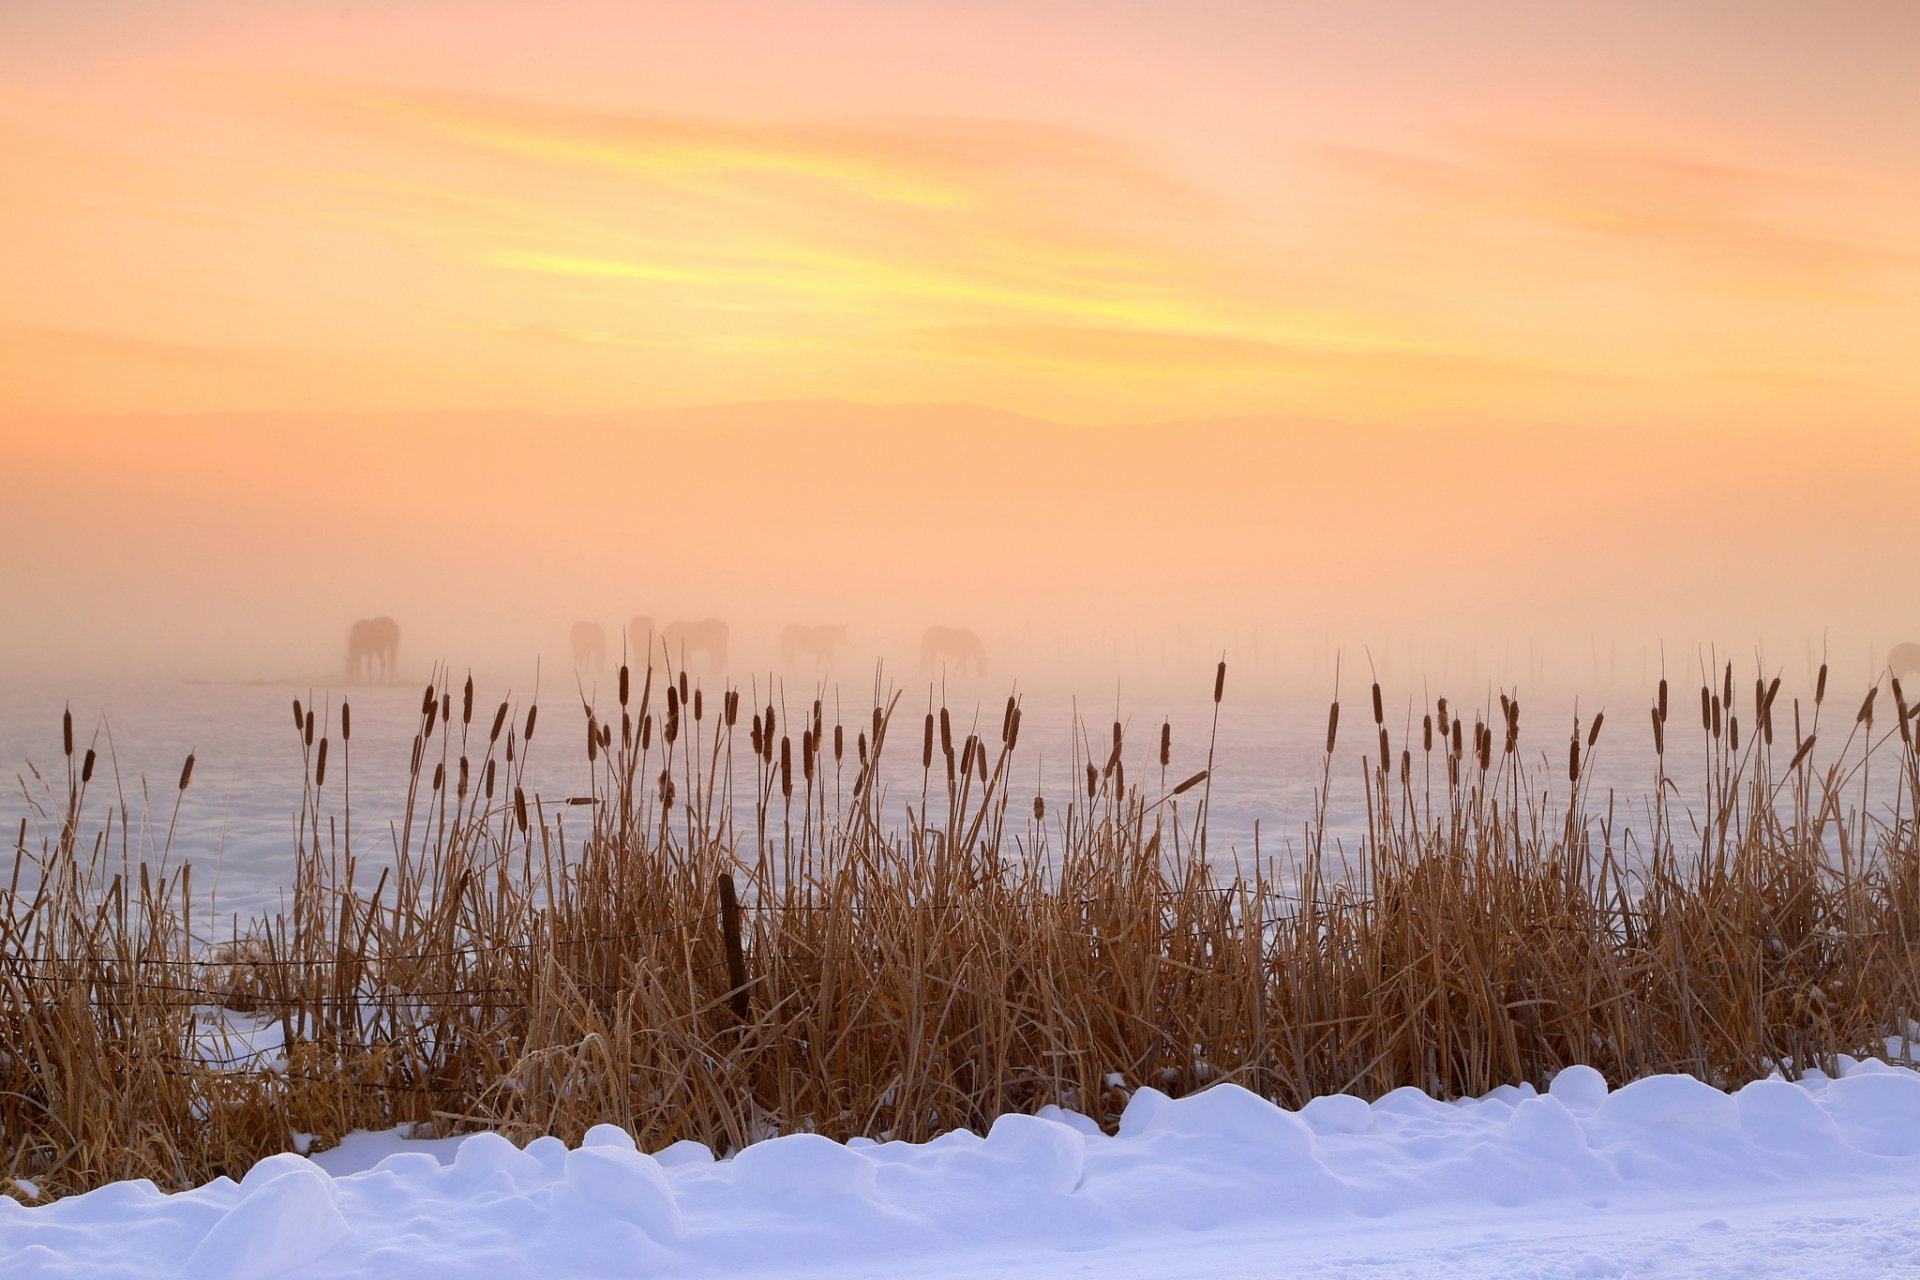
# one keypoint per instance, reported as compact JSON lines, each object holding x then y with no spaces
{"x":646,"y":732}
{"x":733,"y":707}
{"x":1379,"y":711}
{"x":1820,"y":686}
{"x":966,"y":757}
{"x":309,"y":731}
{"x":1191,"y":783}
{"x":86,"y":765}
{"x":1013,"y":736}
{"x":1866,"y":709}
{"x":186,"y":772}
{"x":1441,"y":707}
{"x":1706,"y":709}
{"x":860,"y":748}
{"x":1333,"y":724}
{"x":1166,"y":743}
{"x":756,"y":735}
{"x":670,"y":731}
{"x":1593,"y":731}
{"x":1573,"y":760}
{"x":926,"y":744}
{"x":1386,"y":761}
{"x":299,"y":723}
{"x":1093,"y":781}
{"x":786,"y":767}
{"x":533,"y":713}
{"x":499,"y":722}
{"x":1733,"y":732}
{"x":446,"y":708}
{"x":439,"y":774}
{"x":463,"y":777}
{"x":625,"y":681}
{"x":1219,"y":681}
{"x":1456,"y":738}
{"x":1659,"y":734}
{"x":946,"y":733}
{"x":1039,"y":808}
{"x":1006,"y":723}
{"x":466,"y":703}
{"x":319,"y":765}
{"x":1900,"y":705}
{"x":1726,"y":689}
{"x":816,"y":716}
{"x":1715,"y":711}
{"x":1426,"y":734}
{"x":1663,"y":700}
{"x":520,"y":808}
{"x":486,"y":782}
{"x":837,"y":743}
{"x":346,"y":723}
{"x":1806,"y":749}
{"x":767,"y":731}
{"x":674,"y":699}
{"x":413,"y":768}
{"x":593,"y":739}
{"x":427,"y":701}
{"x":683,"y":684}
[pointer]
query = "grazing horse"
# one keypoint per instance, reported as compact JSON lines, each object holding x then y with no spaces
{"x":589,"y":646}
{"x":817,"y":643}
{"x":373,"y":644}
{"x":706,"y":635}
{"x":959,"y":645}
{"x":1904,"y":661}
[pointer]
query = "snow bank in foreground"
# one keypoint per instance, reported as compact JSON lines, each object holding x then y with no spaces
{"x":1218,"y":1183}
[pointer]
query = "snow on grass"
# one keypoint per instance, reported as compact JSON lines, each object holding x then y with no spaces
{"x":1666,"y":1176}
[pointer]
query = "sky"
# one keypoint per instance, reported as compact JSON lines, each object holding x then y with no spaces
{"x":333,"y":284}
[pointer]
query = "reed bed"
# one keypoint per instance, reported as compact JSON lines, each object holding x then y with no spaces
{"x":889,"y":961}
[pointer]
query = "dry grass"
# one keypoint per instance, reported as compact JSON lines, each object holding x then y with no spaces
{"x":542,"y":964}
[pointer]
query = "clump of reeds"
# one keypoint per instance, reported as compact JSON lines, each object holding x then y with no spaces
{"x":856,"y":964}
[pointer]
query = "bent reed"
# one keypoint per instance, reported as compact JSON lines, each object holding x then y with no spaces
{"x":868,"y":959}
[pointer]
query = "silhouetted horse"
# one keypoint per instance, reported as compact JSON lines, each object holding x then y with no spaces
{"x":707,"y":636}
{"x":1904,"y":661}
{"x":817,"y":643}
{"x":373,"y":644}
{"x":589,"y":646}
{"x":959,"y":645}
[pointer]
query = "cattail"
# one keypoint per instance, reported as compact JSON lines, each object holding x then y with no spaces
{"x":86,"y":765}
{"x":1486,"y":748}
{"x":1733,"y":731}
{"x":520,"y":808}
{"x":624,"y":681}
{"x":1219,"y":681}
{"x":1166,"y":743}
{"x":877,"y":725}
{"x":462,"y":793}
{"x":646,"y":732}
{"x":427,"y":701}
{"x":767,"y":731}
{"x":926,"y":744}
{"x":674,"y":699}
{"x":1900,"y":705}
{"x":486,"y":781}
{"x":593,"y":740}
{"x":1333,"y":724}
{"x":1441,"y":707}
{"x":1191,"y":783}
{"x":346,"y":723}
{"x":499,"y":722}
{"x":667,"y":790}
{"x":1006,"y":722}
{"x":1453,"y":766}
{"x":446,"y":708}
{"x":946,"y":733}
{"x":1456,"y":738}
{"x":1759,"y":698}
{"x":1715,"y":712}
{"x":186,"y":772}
{"x":439,"y":774}
{"x":980,"y":764}
{"x":1506,"y":707}
{"x":1806,"y":749}
{"x":671,"y":729}
{"x":1039,"y":808}
{"x":860,"y":749}
{"x":786,"y":768}
{"x":1659,"y":734}
{"x":1386,"y":762}
{"x":1593,"y":731}
{"x":320,"y":766}
{"x":808,"y":749}
{"x":1013,"y":730}
{"x":836,"y":743}
{"x":1093,"y":780}
{"x":1820,"y":686}
{"x":755,"y":735}
{"x":733,"y":707}
{"x":299,"y":723}
{"x":966,"y":757}
{"x":626,"y":728}
{"x":683,"y":684}
{"x":1663,"y":699}
{"x":699,"y":710}
{"x":1726,"y":691}
{"x":1379,"y":711}
{"x":1426,"y":734}
{"x":532,"y":712}
{"x":816,"y":717}
{"x":1866,"y":709}
{"x":433,"y":712}
{"x":413,"y":769}
{"x":1706,"y":709}
{"x":1573,"y":760}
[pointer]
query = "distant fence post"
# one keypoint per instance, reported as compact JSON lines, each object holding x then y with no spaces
{"x":736,"y":957}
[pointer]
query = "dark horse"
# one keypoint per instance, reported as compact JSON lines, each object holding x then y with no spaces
{"x":373,"y":645}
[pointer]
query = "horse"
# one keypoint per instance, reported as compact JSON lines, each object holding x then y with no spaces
{"x":960,"y":645}
{"x":817,"y":643}
{"x":373,"y":644}
{"x":683,"y":639}
{"x":1903,"y":660}
{"x":589,"y":646}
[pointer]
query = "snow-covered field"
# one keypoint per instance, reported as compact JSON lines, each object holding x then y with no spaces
{"x":1663,"y":1177}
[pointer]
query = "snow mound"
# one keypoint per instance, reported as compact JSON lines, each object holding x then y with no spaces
{"x":1545,"y":1183}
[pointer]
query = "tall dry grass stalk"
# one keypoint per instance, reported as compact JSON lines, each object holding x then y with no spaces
{"x":539,"y":964}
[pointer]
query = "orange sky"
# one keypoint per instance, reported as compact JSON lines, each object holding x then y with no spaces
{"x":1485,"y":212}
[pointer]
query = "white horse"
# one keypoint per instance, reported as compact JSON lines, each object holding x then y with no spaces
{"x":373,"y":645}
